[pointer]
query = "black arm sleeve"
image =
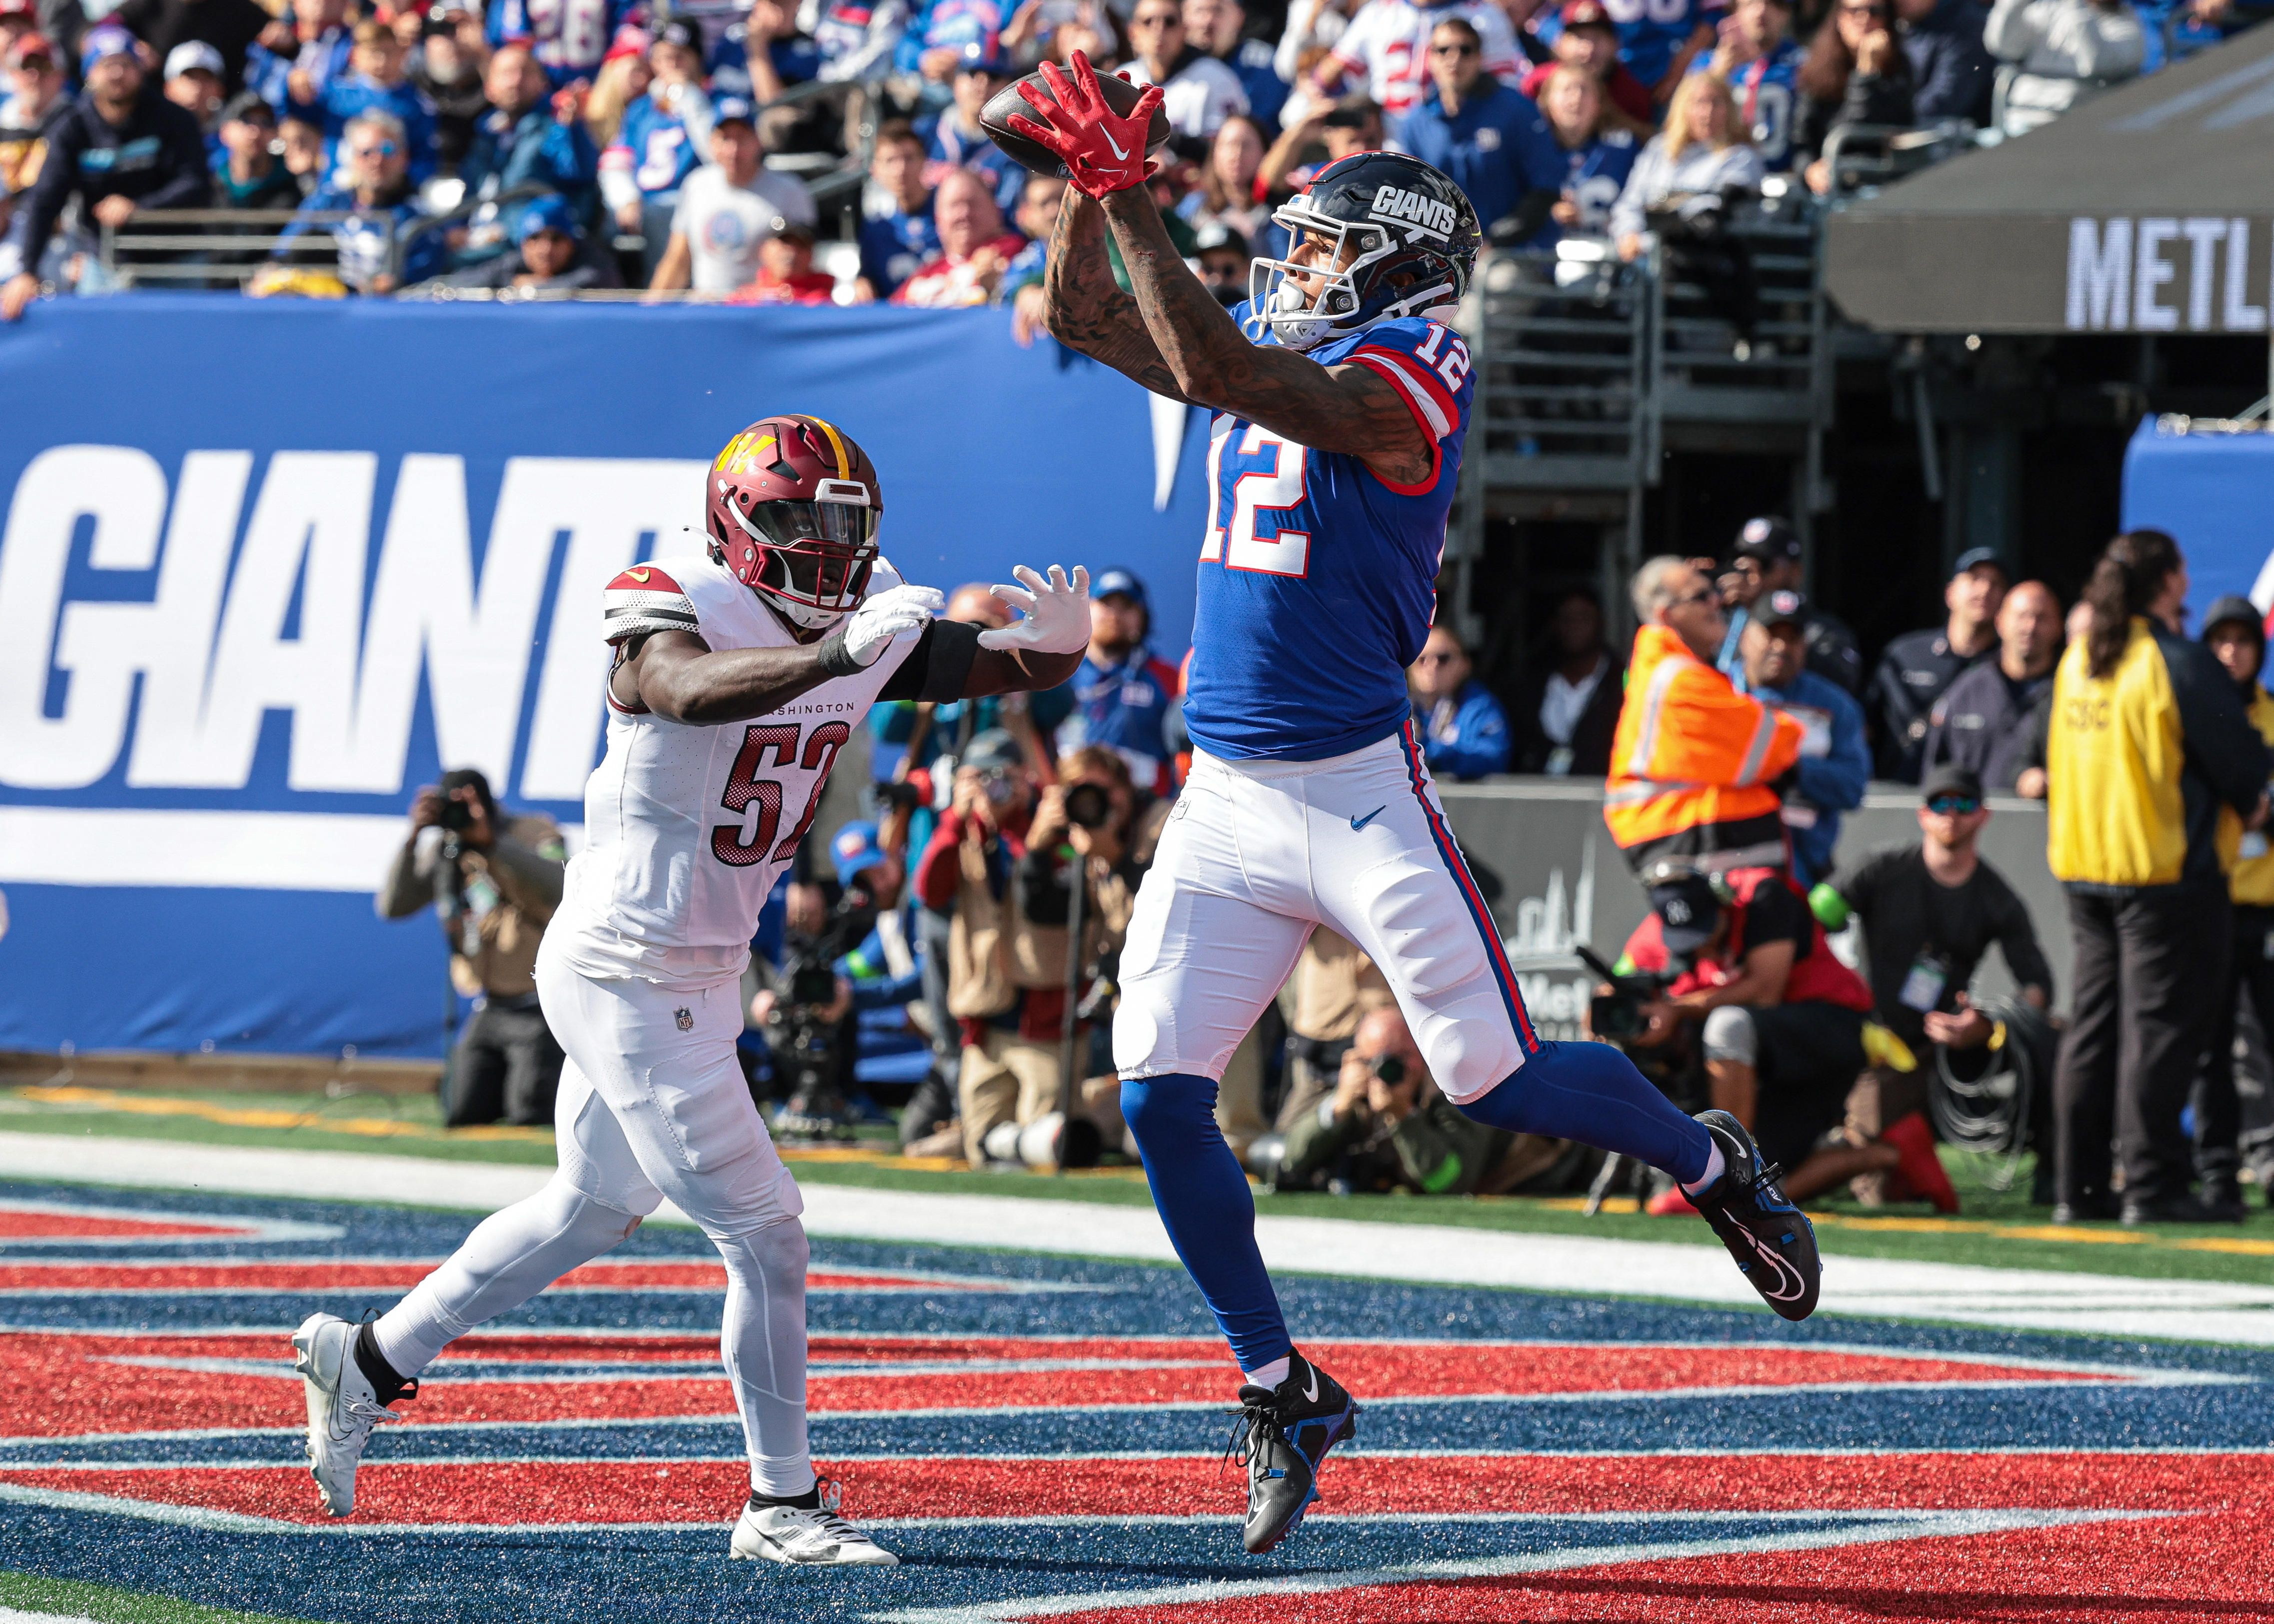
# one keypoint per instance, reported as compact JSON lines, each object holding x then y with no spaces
{"x":1530,"y":213}
{"x":936,"y":668}
{"x":191,"y":184}
{"x":37,"y":213}
{"x":2017,"y":936}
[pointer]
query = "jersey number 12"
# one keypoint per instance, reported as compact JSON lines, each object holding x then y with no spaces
{"x":1269,"y":491}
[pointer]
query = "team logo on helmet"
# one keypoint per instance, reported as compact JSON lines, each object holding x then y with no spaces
{"x":1377,"y":237}
{"x":794,"y":506}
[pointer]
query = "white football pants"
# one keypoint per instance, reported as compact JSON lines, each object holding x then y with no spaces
{"x":1256,"y":853}
{"x":651,"y":1104}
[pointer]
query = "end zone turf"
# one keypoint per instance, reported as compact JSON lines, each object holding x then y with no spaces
{"x":1038,"y":1437}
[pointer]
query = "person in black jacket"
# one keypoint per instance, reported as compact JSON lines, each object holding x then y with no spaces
{"x":1854,"y":74}
{"x":231,"y":27}
{"x":123,"y":146}
{"x":1563,"y":713}
{"x":1951,"y":71}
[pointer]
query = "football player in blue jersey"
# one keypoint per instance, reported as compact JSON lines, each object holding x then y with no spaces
{"x":1342,"y":403}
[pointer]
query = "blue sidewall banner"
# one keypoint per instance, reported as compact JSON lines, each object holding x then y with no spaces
{"x":265,"y":565}
{"x":2211,"y":492}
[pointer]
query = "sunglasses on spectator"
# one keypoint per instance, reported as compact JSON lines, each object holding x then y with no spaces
{"x":1954,"y":806}
{"x":1703,"y":594}
{"x":376,"y":149}
{"x":1462,"y":50}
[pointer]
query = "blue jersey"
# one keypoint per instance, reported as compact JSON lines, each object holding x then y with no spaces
{"x":1496,"y":148}
{"x":1766,"y":91}
{"x":892,"y":245}
{"x":1651,"y":31}
{"x":1318,"y":578}
{"x":654,"y":146}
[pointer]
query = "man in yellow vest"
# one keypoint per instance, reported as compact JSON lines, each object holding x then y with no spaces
{"x":2236,"y":636}
{"x":1693,"y":762}
{"x":2146,"y":740}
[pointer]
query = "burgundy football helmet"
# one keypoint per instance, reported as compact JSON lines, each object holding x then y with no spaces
{"x":793,"y":506}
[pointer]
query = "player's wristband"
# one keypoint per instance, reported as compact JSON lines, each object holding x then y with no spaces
{"x":836,"y":657}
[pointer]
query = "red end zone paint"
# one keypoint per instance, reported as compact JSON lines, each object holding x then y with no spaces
{"x":67,"y":1384}
{"x":693,"y":1275}
{"x":27,"y":1223}
{"x":519,"y":1493}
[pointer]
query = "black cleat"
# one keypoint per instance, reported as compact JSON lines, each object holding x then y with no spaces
{"x":1281,"y":1436}
{"x":1772,"y":1240}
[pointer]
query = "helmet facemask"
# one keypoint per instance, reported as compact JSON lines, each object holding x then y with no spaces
{"x":816,"y":556}
{"x":1342,"y":305}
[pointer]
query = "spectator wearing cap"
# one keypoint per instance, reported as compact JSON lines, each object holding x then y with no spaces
{"x":1587,"y":40}
{"x":2235,"y":633}
{"x":1755,"y":52}
{"x":247,"y":175}
{"x":727,"y":208}
{"x":1198,"y":92}
{"x":530,"y":137}
{"x":1984,"y":719}
{"x":786,"y":273}
{"x":550,"y":254}
{"x":229,"y":28}
{"x":569,"y":42}
{"x":1022,"y":282}
{"x":1220,"y":28}
{"x":1952,"y":74}
{"x":120,"y":148}
{"x":1768,"y":559}
{"x":447,"y":72}
{"x":1223,"y":258}
{"x":664,"y":136}
{"x":1463,"y":732}
{"x":1778,"y":1022}
{"x":376,"y":81}
{"x":1928,"y":913}
{"x":1918,"y":667}
{"x":625,"y":77}
{"x":1566,"y":708}
{"x":193,"y":81}
{"x":2148,"y":739}
{"x":955,"y":141}
{"x":388,"y":241}
{"x":1836,"y":760}
{"x":1385,"y":51}
{"x":1597,"y":155}
{"x":1693,"y":760}
{"x":2062,"y":51}
{"x":1122,"y":690}
{"x":896,"y":241}
{"x":1490,"y":138}
{"x":940,"y":39}
{"x":35,"y":101}
{"x":974,"y":250}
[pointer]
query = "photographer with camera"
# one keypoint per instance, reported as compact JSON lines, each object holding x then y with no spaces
{"x":1387,"y":1127}
{"x":1780,"y":1026}
{"x":494,"y":881}
{"x":854,"y":961}
{"x":1007,"y":858}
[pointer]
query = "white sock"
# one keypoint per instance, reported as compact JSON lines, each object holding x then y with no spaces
{"x":1269,"y":1375}
{"x":1714,"y":1168}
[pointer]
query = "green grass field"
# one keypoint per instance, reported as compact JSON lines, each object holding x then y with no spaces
{"x":1996,"y":1228}
{"x":70,"y":1599}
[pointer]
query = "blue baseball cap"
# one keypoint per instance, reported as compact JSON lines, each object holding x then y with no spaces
{"x":104,"y":39}
{"x":984,"y":57}
{"x":736,"y":109}
{"x":1120,"y":583}
{"x":855,"y":848}
{"x":1979,"y":557}
{"x":549,"y":213}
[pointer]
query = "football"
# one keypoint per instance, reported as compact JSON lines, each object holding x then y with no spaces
{"x":995,"y":117}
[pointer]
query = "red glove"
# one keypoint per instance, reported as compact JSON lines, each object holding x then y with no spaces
{"x":1102,"y":152}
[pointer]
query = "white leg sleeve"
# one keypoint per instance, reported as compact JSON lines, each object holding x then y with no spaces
{"x":510,"y":1257}
{"x":763,"y":1344}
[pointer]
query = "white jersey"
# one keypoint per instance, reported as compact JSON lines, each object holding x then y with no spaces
{"x":687,"y":827}
{"x":1387,"y":42}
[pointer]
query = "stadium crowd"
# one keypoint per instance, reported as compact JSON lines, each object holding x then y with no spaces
{"x":491,"y":148}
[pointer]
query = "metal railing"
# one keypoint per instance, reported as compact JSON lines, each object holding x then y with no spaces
{"x":1562,"y":350}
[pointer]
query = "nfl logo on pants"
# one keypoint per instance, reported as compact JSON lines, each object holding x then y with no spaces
{"x":685,"y":1018}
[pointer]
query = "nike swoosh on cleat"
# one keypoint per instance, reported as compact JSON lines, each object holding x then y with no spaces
{"x":1311,"y":1392}
{"x":1360,"y":823}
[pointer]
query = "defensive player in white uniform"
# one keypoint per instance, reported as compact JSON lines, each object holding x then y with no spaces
{"x":1342,"y":404}
{"x":738,"y":675}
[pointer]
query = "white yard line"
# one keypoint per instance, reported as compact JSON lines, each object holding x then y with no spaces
{"x":2015,"y":1299}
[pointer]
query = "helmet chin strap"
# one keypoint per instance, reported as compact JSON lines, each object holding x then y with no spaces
{"x":804,"y":616}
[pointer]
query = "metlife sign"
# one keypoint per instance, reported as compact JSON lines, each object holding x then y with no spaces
{"x":266,"y":568}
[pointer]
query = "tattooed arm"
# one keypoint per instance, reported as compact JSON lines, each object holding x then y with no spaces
{"x":1210,"y":362}
{"x":1084,"y":308}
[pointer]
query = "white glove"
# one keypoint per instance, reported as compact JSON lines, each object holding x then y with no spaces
{"x":1057,"y":612}
{"x":885,"y":616}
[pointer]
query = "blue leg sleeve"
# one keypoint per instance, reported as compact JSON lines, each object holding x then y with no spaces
{"x":1592,"y":1093}
{"x":1205,"y":1206}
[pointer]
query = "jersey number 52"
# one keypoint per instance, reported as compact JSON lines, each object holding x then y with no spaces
{"x":1260,"y":493}
{"x":746,"y":790}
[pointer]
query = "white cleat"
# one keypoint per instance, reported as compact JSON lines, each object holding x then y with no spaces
{"x":342,"y":1407}
{"x":819,"y":1537}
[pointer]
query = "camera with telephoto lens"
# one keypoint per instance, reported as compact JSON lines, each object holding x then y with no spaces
{"x":1088,"y":806}
{"x":1617,"y":1015}
{"x":803,"y":1039}
{"x":456,"y":817}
